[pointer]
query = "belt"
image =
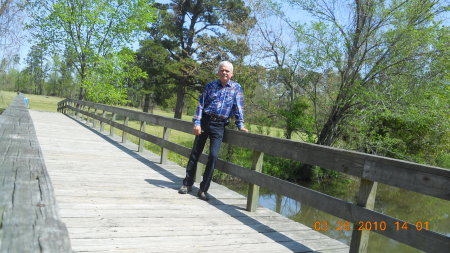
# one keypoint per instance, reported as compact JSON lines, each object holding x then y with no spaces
{"x":214,"y":118}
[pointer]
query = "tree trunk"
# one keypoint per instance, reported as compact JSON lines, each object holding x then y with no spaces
{"x":288,"y":134}
{"x":180,"y":99}
{"x":146,"y":102}
{"x":82,"y":93}
{"x":326,"y":137}
{"x":305,"y":172}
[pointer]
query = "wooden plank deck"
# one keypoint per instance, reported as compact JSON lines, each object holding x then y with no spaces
{"x":29,"y":220}
{"x":112,"y":198}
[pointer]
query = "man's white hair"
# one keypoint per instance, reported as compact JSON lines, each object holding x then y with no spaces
{"x":222,"y":63}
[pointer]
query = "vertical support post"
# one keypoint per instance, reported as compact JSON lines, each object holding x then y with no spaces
{"x":199,"y":172}
{"x":78,"y":114}
{"x":124,"y":133}
{"x":74,"y":112}
{"x":94,"y":121}
{"x":253,"y":190}
{"x":102,"y":124}
{"x":366,"y":198}
{"x":164,"y":151}
{"x":75,"y":107}
{"x":141,"y":141}
{"x":86,"y":117}
{"x":111,"y":129}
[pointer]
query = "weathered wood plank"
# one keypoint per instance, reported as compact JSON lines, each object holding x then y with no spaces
{"x":29,"y":220}
{"x":135,"y":206}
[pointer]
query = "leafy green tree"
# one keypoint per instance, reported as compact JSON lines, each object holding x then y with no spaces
{"x":107,"y":82}
{"x":35,"y":66}
{"x":154,"y":59}
{"x":195,"y":29}
{"x":60,"y":81}
{"x":9,"y":80}
{"x":376,"y":40}
{"x":94,"y":31}
{"x":353,"y":56}
{"x":297,"y":119}
{"x":407,"y":117}
{"x":276,"y":44}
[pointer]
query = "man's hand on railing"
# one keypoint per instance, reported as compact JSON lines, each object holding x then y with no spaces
{"x":243,"y":129}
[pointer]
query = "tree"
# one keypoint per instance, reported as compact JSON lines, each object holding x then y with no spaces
{"x":107,"y":81}
{"x":274,"y":43}
{"x":161,"y":71}
{"x":188,"y":28}
{"x":353,"y":55}
{"x":61,"y":82}
{"x":369,"y":45}
{"x":11,"y":37}
{"x":35,"y":67}
{"x":90,"y":29}
{"x":407,"y":116}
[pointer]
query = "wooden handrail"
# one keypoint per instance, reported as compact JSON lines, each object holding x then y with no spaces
{"x":424,"y":179}
{"x":29,"y":220}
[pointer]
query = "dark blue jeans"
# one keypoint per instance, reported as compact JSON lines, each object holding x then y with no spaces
{"x":213,"y":130}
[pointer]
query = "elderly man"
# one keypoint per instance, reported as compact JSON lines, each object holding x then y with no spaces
{"x":219,"y":100}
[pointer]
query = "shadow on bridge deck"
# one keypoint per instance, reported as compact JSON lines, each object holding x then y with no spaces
{"x":124,"y":205}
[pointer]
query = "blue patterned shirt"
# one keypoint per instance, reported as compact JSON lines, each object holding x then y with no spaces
{"x":221,"y":102}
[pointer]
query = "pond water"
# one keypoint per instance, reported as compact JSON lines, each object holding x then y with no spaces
{"x":405,"y":205}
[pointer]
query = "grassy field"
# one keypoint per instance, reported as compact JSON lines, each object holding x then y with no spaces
{"x":36,"y":102}
{"x":49,"y":103}
{"x":6,"y":97}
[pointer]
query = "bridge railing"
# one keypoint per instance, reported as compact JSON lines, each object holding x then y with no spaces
{"x":371,"y":170}
{"x":29,"y":220}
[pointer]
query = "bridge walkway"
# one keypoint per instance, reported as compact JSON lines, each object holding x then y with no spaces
{"x":113,"y":198}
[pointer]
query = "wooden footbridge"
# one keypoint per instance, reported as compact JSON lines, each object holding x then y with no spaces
{"x":68,"y":186}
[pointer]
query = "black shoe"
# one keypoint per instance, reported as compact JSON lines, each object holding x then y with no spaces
{"x":185,"y":189}
{"x":202,"y":195}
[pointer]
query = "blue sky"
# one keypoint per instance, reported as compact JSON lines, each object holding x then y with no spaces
{"x":293,"y":13}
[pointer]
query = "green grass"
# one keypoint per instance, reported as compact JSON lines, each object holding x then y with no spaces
{"x":6,"y":97}
{"x":49,"y":103}
{"x":36,"y":102}
{"x":43,"y":103}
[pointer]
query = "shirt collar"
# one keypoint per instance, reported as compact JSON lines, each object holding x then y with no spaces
{"x":230,"y":83}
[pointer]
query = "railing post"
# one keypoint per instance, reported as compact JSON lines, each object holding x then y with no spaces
{"x":81,"y":114}
{"x":86,"y":116}
{"x":164,"y":151}
{"x":366,"y":198}
{"x":77,"y":113}
{"x":199,"y":172}
{"x":124,"y":133}
{"x":74,"y":111}
{"x":141,"y":141}
{"x":111,"y":129}
{"x":253,"y":190}
{"x":102,"y":124}
{"x":94,"y":121}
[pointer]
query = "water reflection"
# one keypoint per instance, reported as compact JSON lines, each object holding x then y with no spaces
{"x":402,"y":204}
{"x":283,"y":205}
